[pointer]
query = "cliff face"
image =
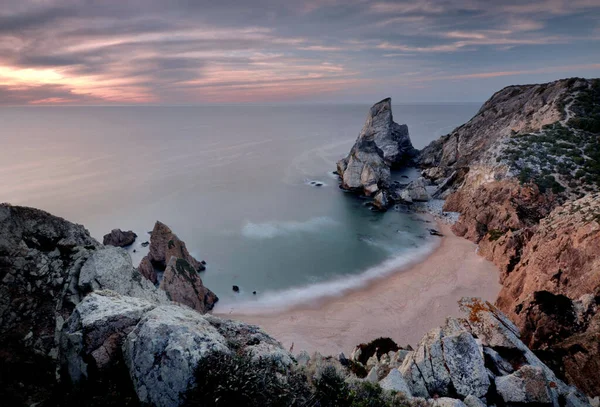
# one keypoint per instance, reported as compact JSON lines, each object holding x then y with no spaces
{"x":553,"y":293}
{"x":381,"y":144}
{"x":529,"y":150}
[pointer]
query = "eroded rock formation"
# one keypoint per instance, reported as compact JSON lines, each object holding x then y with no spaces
{"x":381,"y":145}
{"x":180,"y":269}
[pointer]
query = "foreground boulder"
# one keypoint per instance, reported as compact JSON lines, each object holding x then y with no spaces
{"x":473,"y":361}
{"x":381,"y":145}
{"x":160,"y":344}
{"x":119,"y":238}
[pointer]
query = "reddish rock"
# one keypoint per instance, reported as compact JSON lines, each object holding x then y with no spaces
{"x":497,"y":207}
{"x":182,"y":284}
{"x":147,"y":270}
{"x":553,"y":291}
{"x":180,"y":280}
{"x":165,"y":244}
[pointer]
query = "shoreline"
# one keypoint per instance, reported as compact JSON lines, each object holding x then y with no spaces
{"x":403,"y":306}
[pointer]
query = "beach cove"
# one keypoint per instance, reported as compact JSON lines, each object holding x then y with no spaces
{"x":403,"y":306}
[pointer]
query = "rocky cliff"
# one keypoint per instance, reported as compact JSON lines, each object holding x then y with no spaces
{"x":382,"y":144}
{"x":514,"y":172}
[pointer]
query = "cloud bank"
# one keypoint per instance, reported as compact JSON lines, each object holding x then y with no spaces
{"x":188,"y":52}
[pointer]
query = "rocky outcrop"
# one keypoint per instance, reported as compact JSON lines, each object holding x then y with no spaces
{"x":67,"y":304}
{"x":41,"y":257}
{"x":476,"y":360}
{"x":119,"y":238}
{"x":147,"y":270}
{"x":381,"y":145}
{"x":179,"y":268}
{"x":496,"y":207}
{"x":165,"y":244}
{"x":452,"y":361}
{"x":513,"y":110}
{"x":92,"y":337}
{"x":110,"y":268}
{"x":415,"y":191}
{"x":183,"y":285}
{"x":160,"y":344}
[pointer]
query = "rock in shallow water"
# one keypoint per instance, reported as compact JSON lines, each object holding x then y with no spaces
{"x":381,"y":144}
{"x":119,"y":238}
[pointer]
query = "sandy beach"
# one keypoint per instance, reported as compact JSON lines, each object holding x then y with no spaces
{"x":403,"y":306}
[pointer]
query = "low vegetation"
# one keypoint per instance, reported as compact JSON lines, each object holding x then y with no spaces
{"x":558,"y":159}
{"x":237,"y":380}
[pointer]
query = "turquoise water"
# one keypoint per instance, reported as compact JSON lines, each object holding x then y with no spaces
{"x":234,"y":182}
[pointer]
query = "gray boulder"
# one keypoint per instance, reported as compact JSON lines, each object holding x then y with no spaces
{"x":425,"y":370}
{"x":466,"y":365}
{"x":119,"y":238}
{"x":472,"y":401}
{"x":395,"y":382}
{"x":164,"y":348}
{"x":447,"y":402}
{"x":381,"y":144}
{"x":526,"y":385}
{"x":111,"y":268}
{"x":416,"y":191}
{"x":95,"y":330}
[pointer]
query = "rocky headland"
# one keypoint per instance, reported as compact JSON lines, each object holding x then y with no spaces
{"x":524,"y":174}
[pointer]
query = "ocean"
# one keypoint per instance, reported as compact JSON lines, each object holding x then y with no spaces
{"x":236,"y":183}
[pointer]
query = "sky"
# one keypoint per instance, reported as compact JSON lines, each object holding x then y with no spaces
{"x":99,"y":52}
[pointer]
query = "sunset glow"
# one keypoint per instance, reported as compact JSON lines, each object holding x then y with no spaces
{"x":64,"y":52}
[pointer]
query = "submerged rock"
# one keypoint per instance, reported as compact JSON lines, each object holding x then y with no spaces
{"x":119,"y":238}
